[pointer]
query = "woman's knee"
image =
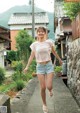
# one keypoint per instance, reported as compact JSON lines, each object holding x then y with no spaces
{"x":49,"y":87}
{"x":43,"y":89}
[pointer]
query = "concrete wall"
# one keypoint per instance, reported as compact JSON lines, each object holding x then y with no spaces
{"x":73,"y":68}
{"x":5,"y":102}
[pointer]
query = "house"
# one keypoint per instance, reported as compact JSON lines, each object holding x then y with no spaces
{"x":19,"y":21}
{"x":63,"y":29}
{"x":64,"y":35}
{"x":5,"y":34}
{"x":76,"y":27}
{"x":4,"y":44}
{"x":68,"y":32}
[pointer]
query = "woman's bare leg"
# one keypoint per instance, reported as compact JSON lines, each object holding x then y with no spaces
{"x":41,"y":79}
{"x":49,"y":81}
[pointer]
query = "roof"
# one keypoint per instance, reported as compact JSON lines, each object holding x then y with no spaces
{"x":65,"y":18}
{"x":2,"y":38}
{"x":26,"y":18}
{"x":4,"y":28}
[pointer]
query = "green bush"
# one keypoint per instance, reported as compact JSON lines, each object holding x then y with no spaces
{"x":23,"y":42}
{"x":2,"y":75}
{"x":17,"y":66}
{"x":32,"y":67}
{"x":17,"y":75}
{"x":58,"y":69}
{"x":11,"y":55}
{"x":24,"y":77}
{"x":29,"y":76}
{"x":20,"y":84}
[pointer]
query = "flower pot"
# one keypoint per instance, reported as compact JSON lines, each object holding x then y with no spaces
{"x":59,"y":74}
{"x":34,"y":74}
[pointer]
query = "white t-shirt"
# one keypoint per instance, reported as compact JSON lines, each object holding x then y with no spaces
{"x":42,"y":50}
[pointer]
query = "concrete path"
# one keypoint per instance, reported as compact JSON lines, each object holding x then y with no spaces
{"x":29,"y":100}
{"x":35,"y":103}
{"x":9,"y":73}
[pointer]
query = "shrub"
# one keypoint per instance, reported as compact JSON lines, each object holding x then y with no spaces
{"x":23,"y":42}
{"x":2,"y":75}
{"x":29,"y":76}
{"x":17,"y":66}
{"x":17,"y":75}
{"x":19,"y":84}
{"x":31,"y":70}
{"x":12,"y":55}
{"x":24,"y":77}
{"x":32,"y":66}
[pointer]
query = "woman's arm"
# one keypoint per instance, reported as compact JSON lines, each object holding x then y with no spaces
{"x":29,"y":61}
{"x":56,"y":55}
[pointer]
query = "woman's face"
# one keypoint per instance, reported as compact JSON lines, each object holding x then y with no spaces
{"x":41,"y":33}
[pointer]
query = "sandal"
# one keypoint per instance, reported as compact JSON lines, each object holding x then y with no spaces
{"x":45,"y":109}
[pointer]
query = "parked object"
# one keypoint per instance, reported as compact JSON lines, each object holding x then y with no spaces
{"x":58,"y":70}
{"x":34,"y":74}
{"x":64,"y":71}
{"x":64,"y":68}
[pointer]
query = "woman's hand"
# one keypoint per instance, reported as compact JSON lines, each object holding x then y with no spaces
{"x":29,"y":62}
{"x":25,"y":70}
{"x":60,"y":61}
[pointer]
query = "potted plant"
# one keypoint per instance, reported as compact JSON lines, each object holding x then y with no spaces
{"x":58,"y":70}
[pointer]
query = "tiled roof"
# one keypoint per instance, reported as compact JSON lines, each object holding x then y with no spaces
{"x":26,"y":18}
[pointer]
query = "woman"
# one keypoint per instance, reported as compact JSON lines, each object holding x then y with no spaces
{"x":41,"y":50}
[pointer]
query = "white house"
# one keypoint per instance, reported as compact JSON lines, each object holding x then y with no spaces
{"x":3,"y":50}
{"x":19,"y":21}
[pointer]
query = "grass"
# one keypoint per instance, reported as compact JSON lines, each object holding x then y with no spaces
{"x":4,"y":88}
{"x":10,"y":85}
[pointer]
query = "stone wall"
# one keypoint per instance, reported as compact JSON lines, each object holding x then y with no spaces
{"x":73,"y":68}
{"x":5,"y":102}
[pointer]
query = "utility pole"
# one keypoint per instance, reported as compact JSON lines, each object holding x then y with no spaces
{"x":33,"y":20}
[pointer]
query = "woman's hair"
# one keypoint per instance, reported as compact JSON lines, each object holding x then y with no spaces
{"x":41,"y":28}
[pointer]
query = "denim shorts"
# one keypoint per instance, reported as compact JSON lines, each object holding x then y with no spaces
{"x":44,"y":68}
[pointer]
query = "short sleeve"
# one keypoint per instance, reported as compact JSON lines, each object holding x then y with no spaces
{"x":32,"y":46}
{"x":51,"y":42}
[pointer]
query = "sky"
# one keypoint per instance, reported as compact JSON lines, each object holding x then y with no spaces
{"x":43,"y":4}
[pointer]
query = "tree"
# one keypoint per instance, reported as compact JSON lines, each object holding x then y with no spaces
{"x":72,"y":9}
{"x":10,"y":55}
{"x":23,"y":42}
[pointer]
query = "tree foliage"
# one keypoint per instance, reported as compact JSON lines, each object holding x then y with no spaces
{"x":2,"y":75}
{"x":72,"y":9}
{"x":11,"y":55}
{"x":23,"y":42}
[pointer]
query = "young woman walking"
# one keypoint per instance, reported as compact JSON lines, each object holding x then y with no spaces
{"x":41,"y":50}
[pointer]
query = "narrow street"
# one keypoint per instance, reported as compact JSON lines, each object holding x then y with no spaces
{"x":29,"y":100}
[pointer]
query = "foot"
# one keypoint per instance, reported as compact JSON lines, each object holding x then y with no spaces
{"x":45,"y":109}
{"x":51,"y":93}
